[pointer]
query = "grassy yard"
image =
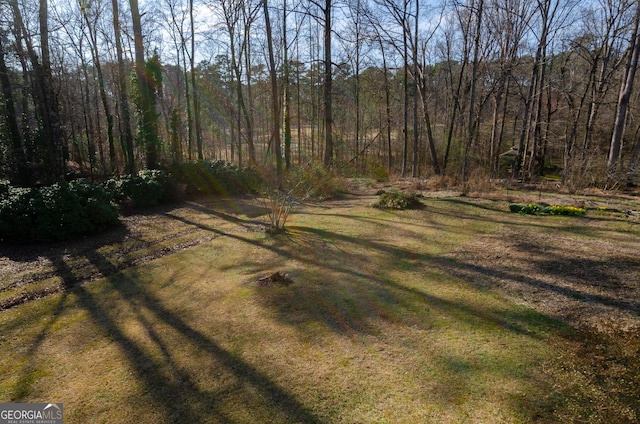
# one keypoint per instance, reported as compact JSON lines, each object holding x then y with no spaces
{"x":458,"y":312}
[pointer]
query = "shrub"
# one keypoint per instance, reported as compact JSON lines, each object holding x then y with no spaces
{"x":279,"y":205}
{"x":61,"y":211}
{"x":398,"y":200}
{"x":380,"y":174}
{"x":96,"y":201}
{"x":171,"y":191}
{"x":313,"y":182}
{"x":142,"y":190}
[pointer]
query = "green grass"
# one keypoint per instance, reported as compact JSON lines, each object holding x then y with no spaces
{"x":375,"y":329}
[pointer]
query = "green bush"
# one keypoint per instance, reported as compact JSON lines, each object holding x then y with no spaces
{"x":380,"y":174}
{"x":215,"y":177}
{"x":97,"y":203}
{"x":61,"y":211}
{"x":171,"y":191}
{"x":145,"y":189}
{"x":398,"y":200}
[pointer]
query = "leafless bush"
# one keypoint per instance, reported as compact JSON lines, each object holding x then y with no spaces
{"x":279,"y":204}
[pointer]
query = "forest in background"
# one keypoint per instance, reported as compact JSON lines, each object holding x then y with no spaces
{"x":463,"y":88}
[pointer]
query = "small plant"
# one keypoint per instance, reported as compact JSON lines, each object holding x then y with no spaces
{"x":534,"y":209}
{"x":528,"y":209}
{"x":398,"y":200}
{"x":567,"y":210}
{"x":279,"y":205}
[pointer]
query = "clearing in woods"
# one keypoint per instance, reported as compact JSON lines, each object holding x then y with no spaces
{"x":457,"y":312}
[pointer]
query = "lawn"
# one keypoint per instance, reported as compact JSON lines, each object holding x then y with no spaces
{"x":457,"y":312}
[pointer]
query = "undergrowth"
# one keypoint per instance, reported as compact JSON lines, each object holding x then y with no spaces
{"x":398,"y":200}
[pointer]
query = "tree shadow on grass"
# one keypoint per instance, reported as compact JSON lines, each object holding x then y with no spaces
{"x":482,"y":275}
{"x":348,"y":285}
{"x":174,"y":389}
{"x":353,"y":290}
{"x":29,"y":373}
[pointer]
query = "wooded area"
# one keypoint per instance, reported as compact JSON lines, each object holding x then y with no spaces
{"x":464,"y":88}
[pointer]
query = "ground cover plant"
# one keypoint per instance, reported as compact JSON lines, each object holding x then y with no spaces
{"x":457,"y":312}
{"x":535,"y":209}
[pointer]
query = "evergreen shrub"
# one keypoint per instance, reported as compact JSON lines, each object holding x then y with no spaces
{"x":61,"y":211}
{"x":398,"y":200}
{"x":142,"y":190}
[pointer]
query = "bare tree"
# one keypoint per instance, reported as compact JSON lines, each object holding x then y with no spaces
{"x":275,"y":97}
{"x":147,"y":126}
{"x":91,"y":14}
{"x":125,"y":123}
{"x":233,"y":11}
{"x":626,"y":88}
{"x":327,"y":83}
{"x":196,"y":100}
{"x":478,"y":10}
{"x":17,"y":156}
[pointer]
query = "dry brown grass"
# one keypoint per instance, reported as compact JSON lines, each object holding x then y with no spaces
{"x":413,"y":316}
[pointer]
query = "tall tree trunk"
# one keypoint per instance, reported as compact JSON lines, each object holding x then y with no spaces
{"x":287,"y":90}
{"x":275,"y":103}
{"x":405,"y":106}
{"x":231,"y":15}
{"x":414,"y":170}
{"x":625,"y":94}
{"x":125,"y":123}
{"x":88,"y":119}
{"x":357,"y":82}
{"x":387,"y":98}
{"x":248,"y":111}
{"x":196,"y":100}
{"x":472,"y":95}
{"x":93,"y":41}
{"x":328,"y":89}
{"x":18,"y":165}
{"x":25,"y":123}
{"x":527,"y":120}
{"x":51,"y":116}
{"x":147,"y":129}
{"x":456,"y":91}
